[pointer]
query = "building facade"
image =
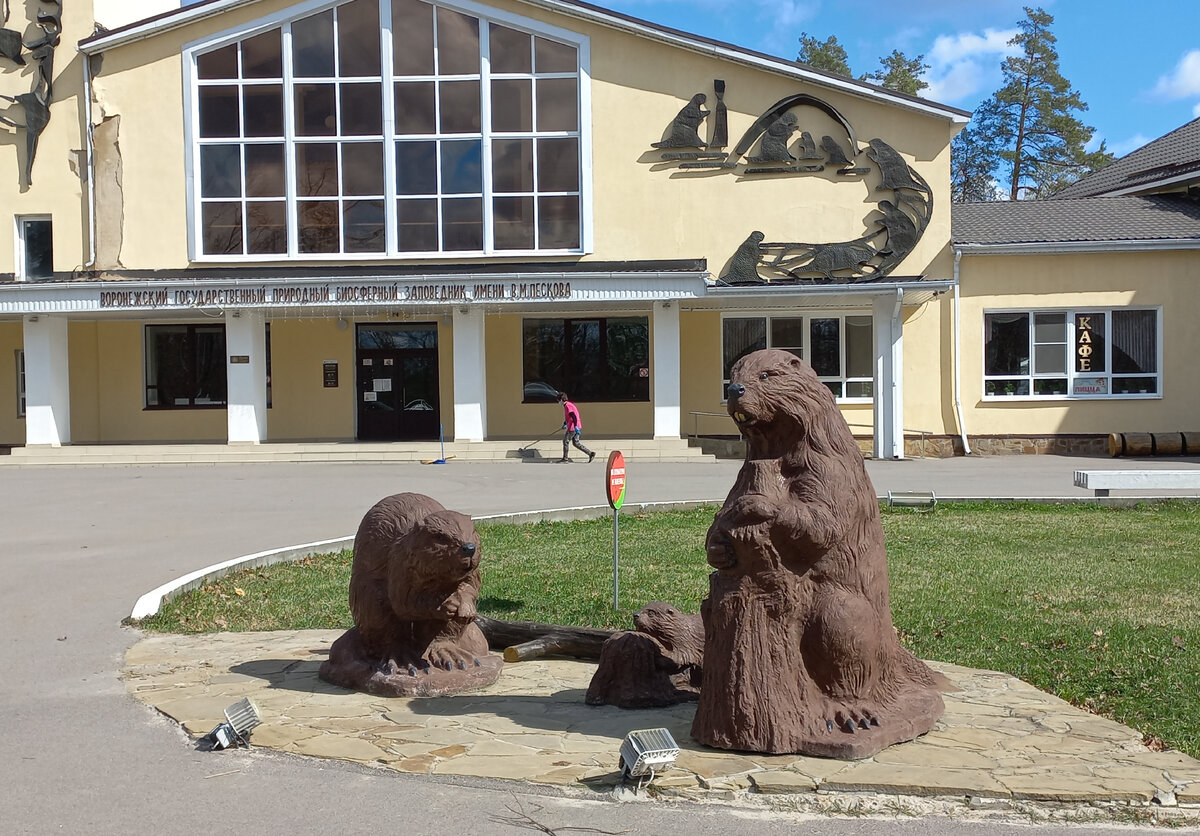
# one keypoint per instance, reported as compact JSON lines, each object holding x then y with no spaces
{"x":250,"y":221}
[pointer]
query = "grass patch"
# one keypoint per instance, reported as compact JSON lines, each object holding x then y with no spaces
{"x":1098,"y":605}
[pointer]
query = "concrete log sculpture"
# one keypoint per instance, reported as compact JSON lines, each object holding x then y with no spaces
{"x":413,"y":589}
{"x":655,"y":664}
{"x":800,"y":655}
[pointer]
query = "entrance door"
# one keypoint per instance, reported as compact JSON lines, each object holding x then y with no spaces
{"x":397,"y":383}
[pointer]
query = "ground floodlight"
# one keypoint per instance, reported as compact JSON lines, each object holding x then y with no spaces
{"x":917,"y":500}
{"x":644,"y":751}
{"x":240,"y":718}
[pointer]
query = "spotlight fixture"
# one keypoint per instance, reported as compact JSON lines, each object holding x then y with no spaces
{"x":240,"y":718}
{"x":645,"y":750}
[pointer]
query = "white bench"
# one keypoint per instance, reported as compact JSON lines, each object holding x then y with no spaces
{"x":1102,"y":481}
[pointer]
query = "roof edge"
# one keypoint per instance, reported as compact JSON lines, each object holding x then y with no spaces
{"x":1056,"y":247}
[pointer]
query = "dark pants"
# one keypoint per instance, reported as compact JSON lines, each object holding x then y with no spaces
{"x":572,"y":437}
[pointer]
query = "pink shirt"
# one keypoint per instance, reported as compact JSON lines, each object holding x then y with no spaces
{"x":571,"y":416}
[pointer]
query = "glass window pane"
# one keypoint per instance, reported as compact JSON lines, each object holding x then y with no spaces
{"x":557,"y":104}
{"x":512,"y":165}
{"x":262,"y":56}
{"x":825,"y":354}
{"x":1050,"y":359}
{"x":417,"y":223}
{"x":266,"y":227}
{"x":513,"y":223}
{"x":860,"y":389}
{"x":860,"y":351}
{"x":558,"y":222}
{"x":416,"y":167}
{"x":265,"y":170}
{"x":358,"y":38}
{"x":558,"y":165}
{"x":362,"y":110}
{"x":209,"y":363}
{"x":1050,"y":386}
{"x":363,"y":221}
{"x":461,"y":171}
{"x":362,"y":168}
{"x":512,"y":105}
{"x":1134,"y":342}
{"x":318,"y":226}
{"x":412,"y":37}
{"x":1090,"y":350}
{"x":38,"y":242}
{"x":262,"y":109}
{"x":1135,"y":385}
{"x":1050,"y":328}
{"x":415,"y":112}
{"x":740,"y":336}
{"x":222,"y":228}
{"x":1006,"y":344}
{"x":316,"y":169}
{"x":220,"y":63}
{"x":315,"y":114}
{"x":553,"y":57}
{"x":787,"y":332}
{"x":460,"y":107}
{"x":220,"y":171}
{"x":312,"y":46}
{"x":168,"y":365}
{"x":510,"y":51}
{"x":458,"y":43}
{"x":219,"y":111}
{"x":462,"y":224}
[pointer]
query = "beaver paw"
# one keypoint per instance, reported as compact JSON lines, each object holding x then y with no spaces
{"x":449,"y":656}
{"x":720,"y":552}
{"x":850,"y":720}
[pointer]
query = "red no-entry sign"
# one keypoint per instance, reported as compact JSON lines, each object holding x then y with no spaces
{"x":614,"y":479}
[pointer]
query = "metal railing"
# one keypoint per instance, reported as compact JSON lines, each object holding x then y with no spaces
{"x":696,"y":416}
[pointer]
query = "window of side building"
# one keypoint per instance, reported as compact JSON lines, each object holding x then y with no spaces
{"x":1083,"y":353}
{"x":35,"y":248}
{"x":186,"y":366}
{"x":838,"y":346}
{"x":385,"y":128}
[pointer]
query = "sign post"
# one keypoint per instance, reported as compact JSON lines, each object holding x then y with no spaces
{"x":614,"y":485}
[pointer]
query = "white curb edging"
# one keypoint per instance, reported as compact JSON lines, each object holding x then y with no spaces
{"x":150,"y":603}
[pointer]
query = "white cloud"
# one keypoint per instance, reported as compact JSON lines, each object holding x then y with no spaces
{"x":965,"y":65}
{"x":1196,"y":109}
{"x":1123,"y":147}
{"x":1184,"y":81}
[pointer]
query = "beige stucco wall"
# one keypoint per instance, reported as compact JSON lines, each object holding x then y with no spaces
{"x":12,"y":428}
{"x":302,"y":408}
{"x":642,"y":210}
{"x":1165,"y":280}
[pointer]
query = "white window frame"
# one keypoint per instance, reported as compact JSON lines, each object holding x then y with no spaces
{"x":1071,"y":373}
{"x":807,"y":315}
{"x":486,"y":15}
{"x":20,"y":260}
{"x":21,"y":392}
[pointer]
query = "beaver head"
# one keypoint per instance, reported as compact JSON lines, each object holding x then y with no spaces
{"x":443,"y":545}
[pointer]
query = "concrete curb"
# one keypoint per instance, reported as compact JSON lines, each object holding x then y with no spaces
{"x":150,"y":603}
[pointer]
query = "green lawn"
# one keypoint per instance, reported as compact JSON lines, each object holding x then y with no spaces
{"x":1098,"y":605}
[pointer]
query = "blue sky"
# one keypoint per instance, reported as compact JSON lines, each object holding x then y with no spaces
{"x":1136,"y":64}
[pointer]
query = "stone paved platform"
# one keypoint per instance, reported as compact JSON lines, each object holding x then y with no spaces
{"x":1000,"y":738}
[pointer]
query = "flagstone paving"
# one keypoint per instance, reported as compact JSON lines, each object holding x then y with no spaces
{"x":999,"y":738}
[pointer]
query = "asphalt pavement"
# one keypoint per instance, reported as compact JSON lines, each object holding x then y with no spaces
{"x":80,"y":544}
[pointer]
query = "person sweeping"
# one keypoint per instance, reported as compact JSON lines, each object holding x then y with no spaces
{"x":573,"y":425}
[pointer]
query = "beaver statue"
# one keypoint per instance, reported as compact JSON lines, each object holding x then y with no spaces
{"x":655,"y":664}
{"x":800,"y":655}
{"x":413,"y":587}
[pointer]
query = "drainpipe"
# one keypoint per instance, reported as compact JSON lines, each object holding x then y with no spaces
{"x":90,"y":150}
{"x":962,"y":429}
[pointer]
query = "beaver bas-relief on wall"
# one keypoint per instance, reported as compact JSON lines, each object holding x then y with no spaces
{"x":800,"y":655}
{"x":413,"y":589}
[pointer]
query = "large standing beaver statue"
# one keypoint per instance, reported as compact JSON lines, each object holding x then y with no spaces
{"x":413,"y":587}
{"x":800,"y":654}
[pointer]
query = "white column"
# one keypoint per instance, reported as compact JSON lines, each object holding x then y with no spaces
{"x":47,"y":381}
{"x":665,"y":370}
{"x":246,"y":369}
{"x":470,"y":375}
{"x":889,"y":376}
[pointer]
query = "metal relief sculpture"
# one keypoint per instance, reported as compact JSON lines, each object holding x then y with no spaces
{"x":413,"y":589}
{"x":36,"y":103}
{"x":800,"y":654}
{"x":767,"y":149}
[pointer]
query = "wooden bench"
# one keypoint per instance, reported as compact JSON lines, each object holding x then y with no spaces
{"x":1102,"y":481}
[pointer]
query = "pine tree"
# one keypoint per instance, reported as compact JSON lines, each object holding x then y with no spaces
{"x":901,"y":73}
{"x":1030,"y":122}
{"x":826,"y":55}
{"x":973,"y":163}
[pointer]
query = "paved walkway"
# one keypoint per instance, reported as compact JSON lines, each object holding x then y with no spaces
{"x":81,"y":544}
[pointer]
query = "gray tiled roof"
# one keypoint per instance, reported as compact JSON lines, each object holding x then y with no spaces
{"x":1063,"y":220}
{"x":1174,"y":155}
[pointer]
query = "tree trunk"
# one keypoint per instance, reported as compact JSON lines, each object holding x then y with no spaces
{"x":523,"y":640}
